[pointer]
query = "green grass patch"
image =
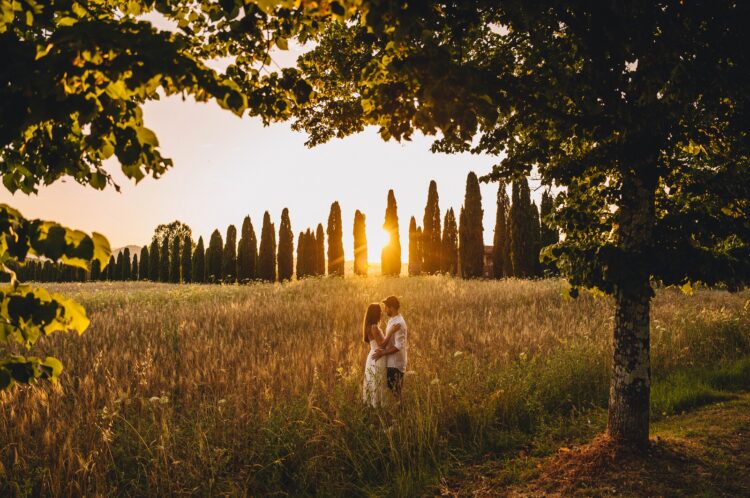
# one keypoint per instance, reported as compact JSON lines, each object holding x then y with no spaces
{"x":692,"y":388}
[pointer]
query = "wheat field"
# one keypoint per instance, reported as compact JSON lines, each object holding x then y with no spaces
{"x":255,"y":390}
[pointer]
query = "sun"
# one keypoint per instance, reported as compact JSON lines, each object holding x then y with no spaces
{"x":376,"y":241}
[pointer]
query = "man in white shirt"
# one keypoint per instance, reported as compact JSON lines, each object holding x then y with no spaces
{"x":395,"y":351}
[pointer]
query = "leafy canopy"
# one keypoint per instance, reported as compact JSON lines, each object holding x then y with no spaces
{"x":28,"y":313}
{"x":590,"y":94}
{"x":73,"y":82}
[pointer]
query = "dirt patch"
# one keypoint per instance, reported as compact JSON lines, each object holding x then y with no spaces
{"x":705,"y":453}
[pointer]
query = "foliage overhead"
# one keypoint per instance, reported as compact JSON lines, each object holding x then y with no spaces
{"x":588,"y":94}
{"x":29,"y":313}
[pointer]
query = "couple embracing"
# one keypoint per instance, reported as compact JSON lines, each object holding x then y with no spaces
{"x":386,"y":362}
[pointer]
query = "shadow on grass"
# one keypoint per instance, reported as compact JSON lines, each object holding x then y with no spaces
{"x":697,"y":450}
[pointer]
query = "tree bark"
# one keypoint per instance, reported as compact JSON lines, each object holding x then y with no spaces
{"x":629,"y":394}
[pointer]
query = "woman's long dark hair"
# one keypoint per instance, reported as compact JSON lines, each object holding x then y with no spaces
{"x":372,"y":317}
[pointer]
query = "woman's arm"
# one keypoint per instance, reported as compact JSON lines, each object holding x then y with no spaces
{"x":377,"y":334}
{"x":388,"y":336}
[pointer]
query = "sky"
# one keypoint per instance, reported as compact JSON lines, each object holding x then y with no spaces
{"x":227,"y":167}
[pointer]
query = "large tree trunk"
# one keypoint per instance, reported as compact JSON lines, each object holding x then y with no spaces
{"x":631,"y":372}
{"x":631,"y":368}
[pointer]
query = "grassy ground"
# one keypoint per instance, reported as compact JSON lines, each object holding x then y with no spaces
{"x":256,"y":390}
{"x":705,"y":453}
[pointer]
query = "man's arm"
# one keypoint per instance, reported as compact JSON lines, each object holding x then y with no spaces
{"x":385,"y":352}
{"x":395,"y":348}
{"x":389,"y":332}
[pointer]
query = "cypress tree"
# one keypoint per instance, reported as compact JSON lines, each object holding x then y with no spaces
{"x":311,"y":253}
{"x":164,"y":261}
{"x":415,"y":249}
{"x":450,"y":243}
{"x":501,"y":264}
{"x":390,"y":257}
{"x":420,"y":249}
{"x":335,"y":235}
{"x":229,"y":258}
{"x":548,"y":233}
{"x":126,"y":262}
{"x":360,"y":244}
{"x":199,"y":263}
{"x":144,"y":260}
{"x":96,"y":269}
{"x":134,"y":268}
{"x":174,"y":267}
{"x":247,"y":252}
{"x":320,"y":251}
{"x":431,"y":236}
{"x":214,"y":258}
{"x":521,"y":222}
{"x":286,"y":247}
{"x":153,"y":261}
{"x":267,"y":251}
{"x":470,"y":231}
{"x":111,"y":269}
{"x":187,"y":259}
{"x":118,"y":267}
{"x":300,"y":270}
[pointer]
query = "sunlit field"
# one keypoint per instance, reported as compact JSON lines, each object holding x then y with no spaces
{"x":255,"y":390}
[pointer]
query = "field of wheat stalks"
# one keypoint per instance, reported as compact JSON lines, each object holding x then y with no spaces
{"x":255,"y":390}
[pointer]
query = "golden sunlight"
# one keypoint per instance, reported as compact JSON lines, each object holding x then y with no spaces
{"x":377,"y":239}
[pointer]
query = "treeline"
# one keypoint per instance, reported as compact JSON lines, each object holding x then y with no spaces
{"x":439,"y":245}
{"x":521,"y":231}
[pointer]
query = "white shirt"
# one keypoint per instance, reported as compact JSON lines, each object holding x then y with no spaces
{"x":399,"y":340}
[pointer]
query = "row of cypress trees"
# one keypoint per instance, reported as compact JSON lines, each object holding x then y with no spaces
{"x":518,"y":239}
{"x":440,"y":245}
{"x":457,"y":248}
{"x":521,"y":232}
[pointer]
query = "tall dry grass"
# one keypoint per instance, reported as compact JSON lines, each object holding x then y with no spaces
{"x":255,"y":390}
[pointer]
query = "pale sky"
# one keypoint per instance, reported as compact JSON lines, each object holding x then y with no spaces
{"x":226,"y":167}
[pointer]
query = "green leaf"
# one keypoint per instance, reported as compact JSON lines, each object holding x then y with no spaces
{"x":102,"y":250}
{"x":22,"y":371}
{"x":118,"y":90}
{"x":74,"y":315}
{"x":98,"y":180}
{"x":66,"y":21}
{"x":55,"y":367}
{"x":146,"y":136}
